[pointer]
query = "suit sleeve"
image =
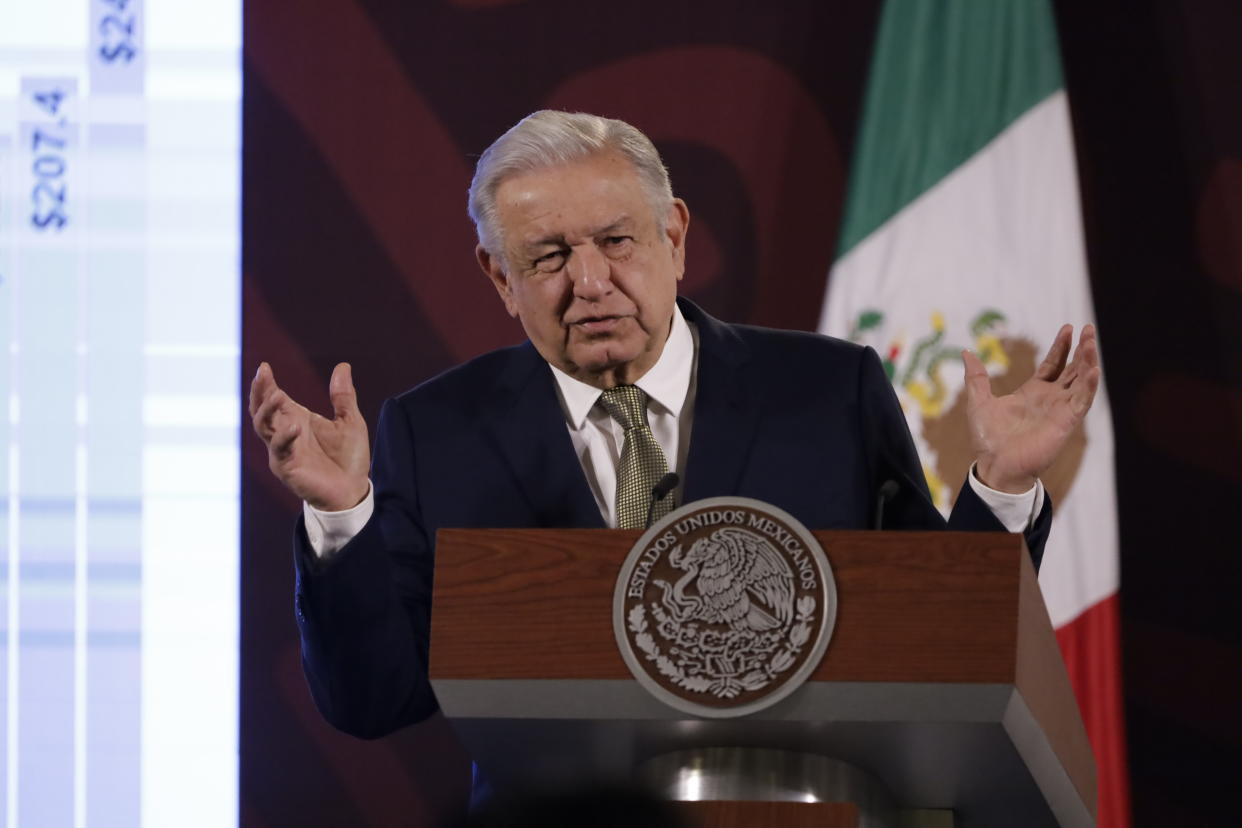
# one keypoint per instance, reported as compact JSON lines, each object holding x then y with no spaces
{"x":970,"y":513}
{"x":364,"y":615}
{"x":891,"y":455}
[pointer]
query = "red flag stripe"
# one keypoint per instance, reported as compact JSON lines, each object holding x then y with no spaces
{"x":1090,"y":645}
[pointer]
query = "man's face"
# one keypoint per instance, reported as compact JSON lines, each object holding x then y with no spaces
{"x":586,"y":268}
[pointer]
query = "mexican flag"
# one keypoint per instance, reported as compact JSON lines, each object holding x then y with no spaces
{"x":962,"y":229}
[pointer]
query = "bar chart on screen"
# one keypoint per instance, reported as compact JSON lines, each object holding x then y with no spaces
{"x":119,"y":310}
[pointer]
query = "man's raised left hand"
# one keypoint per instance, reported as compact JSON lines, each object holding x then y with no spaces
{"x":1018,"y":436}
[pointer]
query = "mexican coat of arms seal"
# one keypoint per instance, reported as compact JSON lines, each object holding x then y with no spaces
{"x":724,"y":607}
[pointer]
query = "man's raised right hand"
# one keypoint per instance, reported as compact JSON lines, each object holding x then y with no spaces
{"x":324,"y":462}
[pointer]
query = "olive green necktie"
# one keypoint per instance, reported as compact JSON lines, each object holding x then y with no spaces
{"x":642,"y":460}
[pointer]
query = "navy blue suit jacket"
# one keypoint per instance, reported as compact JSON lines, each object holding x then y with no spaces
{"x":808,"y":423}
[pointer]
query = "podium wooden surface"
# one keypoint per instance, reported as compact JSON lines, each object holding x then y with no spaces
{"x":943,"y":677}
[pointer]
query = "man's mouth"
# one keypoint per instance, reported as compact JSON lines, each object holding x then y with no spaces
{"x":594,"y":325}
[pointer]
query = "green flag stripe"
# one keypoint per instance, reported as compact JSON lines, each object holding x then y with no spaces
{"x":946,"y":77}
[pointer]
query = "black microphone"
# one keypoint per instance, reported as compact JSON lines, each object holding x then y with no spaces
{"x":888,"y":490}
{"x":660,"y":491}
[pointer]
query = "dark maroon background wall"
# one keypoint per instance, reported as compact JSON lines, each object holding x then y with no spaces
{"x":362,"y":120}
{"x":1154,"y":93}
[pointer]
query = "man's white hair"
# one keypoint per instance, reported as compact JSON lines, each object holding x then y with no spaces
{"x":549,"y":137}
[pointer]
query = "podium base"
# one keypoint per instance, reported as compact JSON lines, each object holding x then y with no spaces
{"x":737,"y":775}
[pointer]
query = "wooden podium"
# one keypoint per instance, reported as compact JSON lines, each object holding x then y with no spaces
{"x":943,"y":680}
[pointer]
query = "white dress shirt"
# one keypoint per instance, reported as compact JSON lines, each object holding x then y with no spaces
{"x":597,"y":438}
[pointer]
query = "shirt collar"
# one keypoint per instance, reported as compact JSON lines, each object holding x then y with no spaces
{"x":666,"y":383}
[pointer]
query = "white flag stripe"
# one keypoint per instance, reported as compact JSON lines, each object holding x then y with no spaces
{"x":1001,"y":231}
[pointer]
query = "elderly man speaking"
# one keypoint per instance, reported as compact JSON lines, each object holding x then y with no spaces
{"x":620,"y":383}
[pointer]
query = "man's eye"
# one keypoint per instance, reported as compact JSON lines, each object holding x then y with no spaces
{"x":616,"y":239}
{"x":550,"y":261}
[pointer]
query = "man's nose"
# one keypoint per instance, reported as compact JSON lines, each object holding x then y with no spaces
{"x":590,"y":273}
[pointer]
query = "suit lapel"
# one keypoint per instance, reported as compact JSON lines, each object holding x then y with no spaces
{"x":529,"y":429}
{"x":726,"y":410}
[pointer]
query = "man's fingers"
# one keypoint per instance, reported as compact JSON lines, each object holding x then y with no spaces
{"x":1084,"y":392}
{"x":259,"y":386}
{"x":266,"y":396}
{"x":1054,"y":362}
{"x":283,"y":437}
{"x":978,"y":385}
{"x":1088,"y":351}
{"x":1086,"y":357}
{"x":341,"y":391}
{"x":263,"y":418}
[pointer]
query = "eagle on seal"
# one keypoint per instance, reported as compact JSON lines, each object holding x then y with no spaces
{"x":740,"y":578}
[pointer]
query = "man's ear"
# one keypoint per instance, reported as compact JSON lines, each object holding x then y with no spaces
{"x":493,"y":266}
{"x":677,"y":223}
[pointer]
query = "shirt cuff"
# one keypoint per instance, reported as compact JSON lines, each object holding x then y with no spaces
{"x":328,"y":532}
{"x":1016,"y":511}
